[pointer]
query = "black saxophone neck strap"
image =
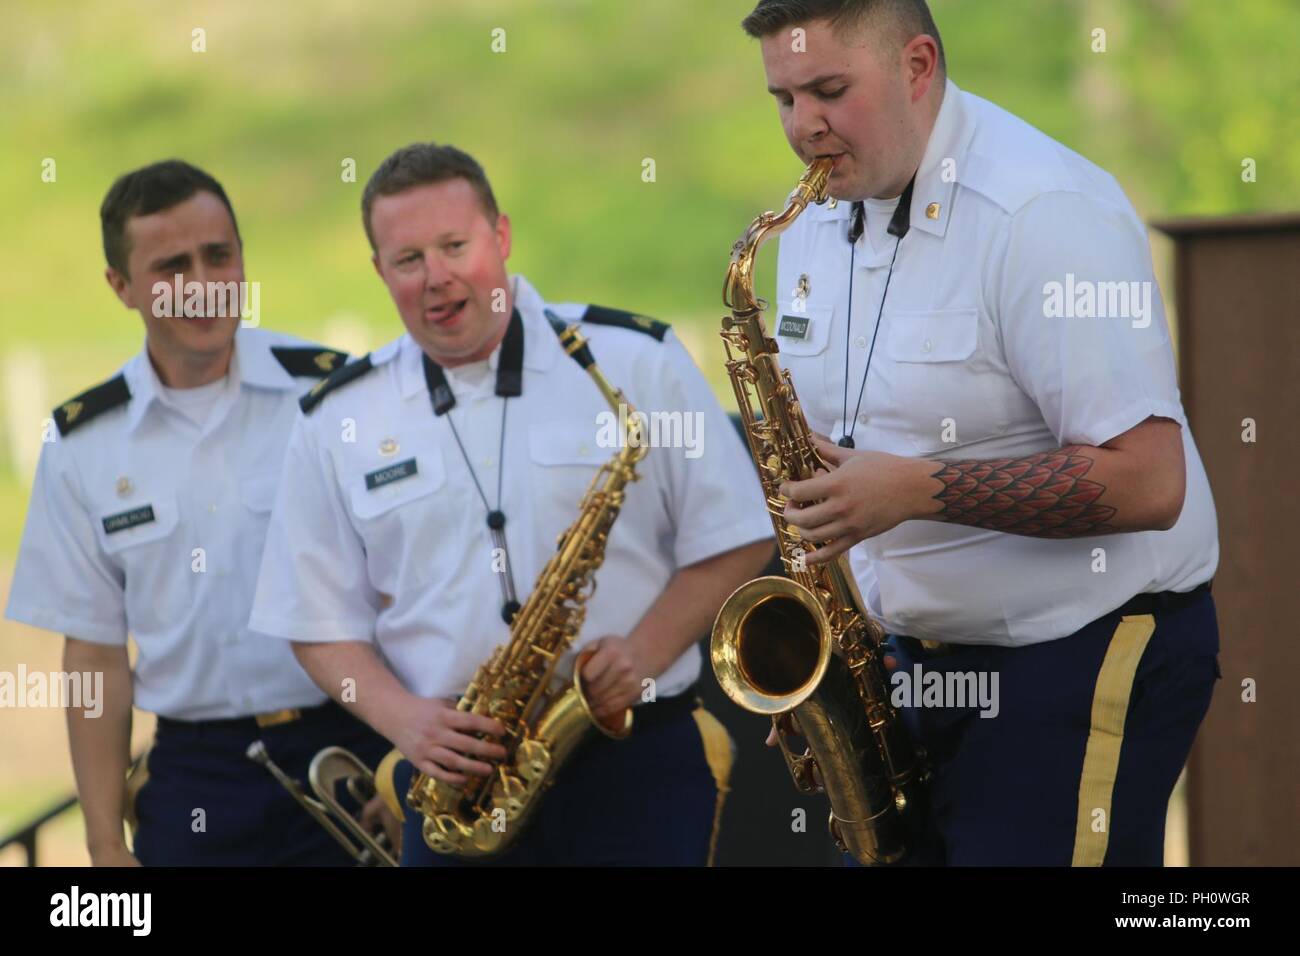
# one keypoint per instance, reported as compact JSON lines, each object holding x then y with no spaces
{"x":510,"y":370}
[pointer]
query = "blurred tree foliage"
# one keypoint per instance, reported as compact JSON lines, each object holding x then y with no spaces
{"x":563,"y":119}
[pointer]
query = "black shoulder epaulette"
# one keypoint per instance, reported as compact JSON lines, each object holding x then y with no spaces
{"x":337,"y":379}
{"x":308,"y":361}
{"x":75,"y":412}
{"x":599,"y":315}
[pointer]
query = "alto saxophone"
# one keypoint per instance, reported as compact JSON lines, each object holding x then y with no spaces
{"x":545,"y":720}
{"x":803,"y":646}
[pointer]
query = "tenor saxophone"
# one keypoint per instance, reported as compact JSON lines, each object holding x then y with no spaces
{"x":545,"y":719}
{"x":803,"y":646}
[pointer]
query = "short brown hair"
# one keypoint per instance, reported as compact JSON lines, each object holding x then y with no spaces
{"x":148,"y":190}
{"x":422,"y":164}
{"x":906,"y":18}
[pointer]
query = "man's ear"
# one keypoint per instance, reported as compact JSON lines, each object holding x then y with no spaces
{"x":503,"y":235}
{"x":374,"y":261}
{"x":921,"y":59}
{"x":120,"y":285}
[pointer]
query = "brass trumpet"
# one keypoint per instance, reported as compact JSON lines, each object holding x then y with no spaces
{"x":328,"y":768}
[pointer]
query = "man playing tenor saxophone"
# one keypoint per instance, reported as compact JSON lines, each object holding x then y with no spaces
{"x":424,"y":490}
{"x":1008,"y":457}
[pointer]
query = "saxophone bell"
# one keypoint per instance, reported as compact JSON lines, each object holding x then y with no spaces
{"x":771,"y":645}
{"x":615,"y":726}
{"x":774,"y":652}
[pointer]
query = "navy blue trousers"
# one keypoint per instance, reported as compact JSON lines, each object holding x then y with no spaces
{"x":1091,"y":733}
{"x":247,"y":818}
{"x":653,"y":799}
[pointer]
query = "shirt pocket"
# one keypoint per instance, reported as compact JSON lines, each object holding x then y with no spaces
{"x":149,"y":522}
{"x":568,"y":456}
{"x":567,"y":446}
{"x":806,"y":358}
{"x":933,"y":337}
{"x":378,"y":489}
{"x":258,"y":492}
{"x":817,"y":336}
{"x":930,"y":376}
{"x":156,"y":560}
{"x":401,"y":510}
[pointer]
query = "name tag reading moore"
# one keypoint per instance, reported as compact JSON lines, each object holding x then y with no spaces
{"x":128,"y":519}
{"x":793,"y":327}
{"x":386,"y":476}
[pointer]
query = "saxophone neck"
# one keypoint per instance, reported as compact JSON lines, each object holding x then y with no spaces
{"x":738,"y":289}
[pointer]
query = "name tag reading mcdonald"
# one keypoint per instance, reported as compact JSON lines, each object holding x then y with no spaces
{"x":793,"y":327}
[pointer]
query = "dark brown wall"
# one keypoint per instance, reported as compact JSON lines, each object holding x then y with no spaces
{"x":1237,"y":289}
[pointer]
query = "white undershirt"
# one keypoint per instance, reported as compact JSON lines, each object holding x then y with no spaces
{"x":879,"y":214}
{"x":468,"y":376}
{"x":196,"y":403}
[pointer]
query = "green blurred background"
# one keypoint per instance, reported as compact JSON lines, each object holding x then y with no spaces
{"x":562,"y":121}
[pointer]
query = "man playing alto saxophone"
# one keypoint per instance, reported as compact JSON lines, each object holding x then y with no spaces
{"x":1013,"y":471}
{"x":430,"y":481}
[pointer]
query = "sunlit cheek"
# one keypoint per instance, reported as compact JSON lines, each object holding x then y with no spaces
{"x":413,"y":289}
{"x":404,"y":286}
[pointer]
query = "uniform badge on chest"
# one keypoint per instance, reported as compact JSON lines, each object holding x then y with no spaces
{"x":796,"y":326}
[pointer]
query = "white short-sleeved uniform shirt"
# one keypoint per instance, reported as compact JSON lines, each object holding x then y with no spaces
{"x":149,"y":518}
{"x":408,"y":564}
{"x":1022,"y":315}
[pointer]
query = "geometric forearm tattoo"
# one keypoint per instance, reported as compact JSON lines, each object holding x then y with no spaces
{"x":1044,"y":495}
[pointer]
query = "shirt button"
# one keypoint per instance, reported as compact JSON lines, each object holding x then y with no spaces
{"x":926,"y":346}
{"x":212,"y":507}
{"x":860,"y":341}
{"x":583,"y":450}
{"x":862,"y":419}
{"x":487,"y":463}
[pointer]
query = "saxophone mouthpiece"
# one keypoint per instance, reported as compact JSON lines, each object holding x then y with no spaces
{"x":817,"y":177}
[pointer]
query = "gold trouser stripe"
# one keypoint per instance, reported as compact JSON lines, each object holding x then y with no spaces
{"x":386,"y":786}
{"x":1106,"y":735}
{"x":719,"y":753}
{"x":135,"y":781}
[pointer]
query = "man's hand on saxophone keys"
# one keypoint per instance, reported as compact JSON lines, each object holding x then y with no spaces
{"x":865,"y":493}
{"x":442,"y":741}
